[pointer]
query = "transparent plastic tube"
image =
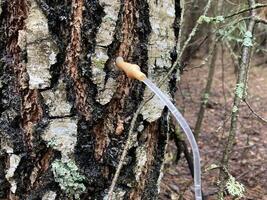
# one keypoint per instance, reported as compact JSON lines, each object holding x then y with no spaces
{"x":181,"y":120}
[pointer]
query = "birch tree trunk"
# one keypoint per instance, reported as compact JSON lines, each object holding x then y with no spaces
{"x":65,"y":109}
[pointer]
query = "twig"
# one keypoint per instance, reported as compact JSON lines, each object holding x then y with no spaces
{"x":223,"y":124}
{"x":164,"y":161}
{"x":213,"y":49}
{"x":246,"y":10}
{"x":196,"y":67}
{"x":127,"y":145}
{"x":256,"y":114}
{"x":259,"y":20}
{"x":125,"y":151}
{"x":232,"y":3}
{"x":201,"y":41}
{"x":234,"y":57}
{"x":223,"y":78}
{"x":206,"y":93}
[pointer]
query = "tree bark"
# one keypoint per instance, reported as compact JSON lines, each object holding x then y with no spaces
{"x":65,"y":109}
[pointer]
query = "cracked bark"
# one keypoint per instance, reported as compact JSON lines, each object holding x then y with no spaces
{"x":39,"y":126}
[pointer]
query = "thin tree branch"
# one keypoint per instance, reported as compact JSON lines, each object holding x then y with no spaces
{"x":125,"y":151}
{"x":234,"y":57}
{"x":257,"y":6}
{"x":259,"y":20}
{"x":256,"y":114}
{"x":211,"y":66}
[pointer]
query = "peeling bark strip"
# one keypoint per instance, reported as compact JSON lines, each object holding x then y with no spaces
{"x":115,"y":124}
{"x":40,"y":47}
{"x":145,"y":156}
{"x":128,"y":31}
{"x":72,"y":60}
{"x":41,"y":166}
{"x":30,"y":107}
{"x":17,"y":13}
{"x":161,"y":44}
{"x":31,"y":111}
{"x":104,"y":37}
{"x":125,"y":49}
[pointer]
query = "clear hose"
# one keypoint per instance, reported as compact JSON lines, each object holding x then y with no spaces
{"x":181,"y":120}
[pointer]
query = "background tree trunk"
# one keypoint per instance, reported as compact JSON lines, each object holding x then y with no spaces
{"x":65,"y":109}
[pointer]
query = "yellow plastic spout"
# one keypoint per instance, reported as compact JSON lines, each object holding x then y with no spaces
{"x":131,"y":70}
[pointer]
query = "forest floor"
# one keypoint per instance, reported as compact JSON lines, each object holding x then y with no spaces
{"x":248,"y":163}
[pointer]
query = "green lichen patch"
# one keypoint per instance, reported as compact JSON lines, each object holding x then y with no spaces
{"x":240,"y":90}
{"x":235,"y":188}
{"x":206,"y":19}
{"x":206,"y":98}
{"x":68,"y":177}
{"x":52,"y":142}
{"x":235,"y":109}
{"x":98,"y":63}
{"x":247,"y":41}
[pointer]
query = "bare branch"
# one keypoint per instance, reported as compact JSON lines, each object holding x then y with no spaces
{"x":257,"y":6}
{"x":256,"y":114}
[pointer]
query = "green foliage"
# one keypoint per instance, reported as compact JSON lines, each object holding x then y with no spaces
{"x":68,"y":177}
{"x":235,"y":188}
{"x":206,"y":19}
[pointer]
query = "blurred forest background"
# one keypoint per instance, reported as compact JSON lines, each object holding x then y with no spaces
{"x":208,"y":85}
